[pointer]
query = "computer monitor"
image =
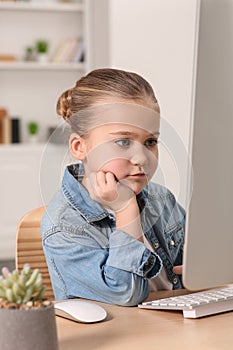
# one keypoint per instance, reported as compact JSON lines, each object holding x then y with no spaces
{"x":208,"y":251}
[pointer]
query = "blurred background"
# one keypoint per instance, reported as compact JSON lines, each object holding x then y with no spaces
{"x":45,"y":47}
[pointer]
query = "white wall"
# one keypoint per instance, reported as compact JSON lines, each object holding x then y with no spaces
{"x":155,"y":38}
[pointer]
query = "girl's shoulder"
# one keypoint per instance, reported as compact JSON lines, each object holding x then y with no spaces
{"x":53,"y":212}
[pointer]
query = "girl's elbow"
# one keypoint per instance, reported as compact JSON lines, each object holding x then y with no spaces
{"x":135,"y":297}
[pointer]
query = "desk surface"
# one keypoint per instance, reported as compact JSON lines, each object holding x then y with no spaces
{"x":135,"y":328}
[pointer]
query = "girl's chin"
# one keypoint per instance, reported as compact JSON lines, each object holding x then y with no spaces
{"x":137,"y":189}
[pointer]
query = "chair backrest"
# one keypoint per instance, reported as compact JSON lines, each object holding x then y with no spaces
{"x":29,"y":247}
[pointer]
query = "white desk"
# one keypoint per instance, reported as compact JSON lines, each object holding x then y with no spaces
{"x":127,"y":328}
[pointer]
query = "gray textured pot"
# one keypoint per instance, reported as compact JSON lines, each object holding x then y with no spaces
{"x":28,"y":329}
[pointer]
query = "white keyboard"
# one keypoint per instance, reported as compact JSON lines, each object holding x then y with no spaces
{"x":196,"y":305}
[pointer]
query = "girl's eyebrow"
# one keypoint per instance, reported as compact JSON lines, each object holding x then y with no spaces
{"x":122,"y":132}
{"x":128,"y":133}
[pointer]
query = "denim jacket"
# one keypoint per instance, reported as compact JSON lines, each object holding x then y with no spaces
{"x":89,"y":258}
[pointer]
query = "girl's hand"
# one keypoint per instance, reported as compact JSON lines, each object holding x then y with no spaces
{"x":178,"y":269}
{"x":105,"y":189}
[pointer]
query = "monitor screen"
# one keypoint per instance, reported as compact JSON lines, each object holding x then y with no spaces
{"x":208,"y":251}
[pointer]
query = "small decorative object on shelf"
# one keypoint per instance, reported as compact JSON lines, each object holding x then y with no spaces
{"x":7,"y":58}
{"x":29,"y":54}
{"x":27,"y":320}
{"x":42,"y":50}
{"x":9,"y":128}
{"x":33,"y":129}
{"x":3,"y":120}
{"x":15,"y":129}
{"x":70,"y":50}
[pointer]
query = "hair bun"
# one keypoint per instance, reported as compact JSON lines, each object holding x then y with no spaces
{"x":64,"y":104}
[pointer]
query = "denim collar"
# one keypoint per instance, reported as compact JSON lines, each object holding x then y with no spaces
{"x":79,"y":197}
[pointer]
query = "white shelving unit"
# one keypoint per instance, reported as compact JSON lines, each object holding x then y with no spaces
{"x":42,"y":6}
{"x":29,"y":90}
{"x":30,"y":173}
{"x":26,"y":18}
{"x":35,"y":66}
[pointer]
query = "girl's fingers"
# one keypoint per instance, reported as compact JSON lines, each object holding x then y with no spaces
{"x":100,"y":178}
{"x":178,"y":269}
{"x":110,"y":179}
{"x":104,"y":179}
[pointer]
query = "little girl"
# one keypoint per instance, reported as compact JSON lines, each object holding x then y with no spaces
{"x":109,"y":234}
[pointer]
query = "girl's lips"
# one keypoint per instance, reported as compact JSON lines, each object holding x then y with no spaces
{"x":138,"y":175}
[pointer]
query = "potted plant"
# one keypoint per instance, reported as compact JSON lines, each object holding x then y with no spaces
{"x":33,"y":129}
{"x":29,"y":54}
{"x":42,"y":50}
{"x":27,"y":320}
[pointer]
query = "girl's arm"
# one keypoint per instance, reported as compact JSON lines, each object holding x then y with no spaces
{"x":80,"y":267}
{"x":118,"y":196}
{"x":128,"y":220}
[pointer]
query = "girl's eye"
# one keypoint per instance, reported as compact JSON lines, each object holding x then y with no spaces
{"x":151,"y":142}
{"x":123,"y":142}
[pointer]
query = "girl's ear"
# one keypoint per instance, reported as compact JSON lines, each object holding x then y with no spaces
{"x":77,"y":146}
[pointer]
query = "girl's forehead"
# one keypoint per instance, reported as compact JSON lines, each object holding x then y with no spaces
{"x":130,"y":115}
{"x":126,"y":129}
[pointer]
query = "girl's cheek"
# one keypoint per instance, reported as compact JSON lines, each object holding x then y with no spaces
{"x":117,"y":167}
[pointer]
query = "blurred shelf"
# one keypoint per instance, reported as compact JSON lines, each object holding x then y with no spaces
{"x":42,"y":66}
{"x":30,"y":147}
{"x":22,"y":147}
{"x":38,"y":6}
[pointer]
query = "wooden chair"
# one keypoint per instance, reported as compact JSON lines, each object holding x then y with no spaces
{"x":29,"y":247}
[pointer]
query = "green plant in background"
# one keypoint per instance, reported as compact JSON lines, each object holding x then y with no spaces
{"x":33,"y":128}
{"x":42,"y":46}
{"x":29,"y":54}
{"x":20,"y":288}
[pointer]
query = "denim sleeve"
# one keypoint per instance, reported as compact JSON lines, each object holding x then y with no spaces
{"x":129,"y":254}
{"x":80,"y":267}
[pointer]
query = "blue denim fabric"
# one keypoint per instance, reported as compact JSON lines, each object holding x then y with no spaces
{"x":87,"y":257}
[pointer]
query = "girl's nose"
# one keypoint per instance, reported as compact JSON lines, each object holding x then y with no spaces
{"x":139,"y":155}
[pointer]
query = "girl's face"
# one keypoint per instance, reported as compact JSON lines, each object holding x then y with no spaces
{"x":129,"y":152}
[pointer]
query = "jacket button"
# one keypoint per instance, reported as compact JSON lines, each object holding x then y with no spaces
{"x":156,"y":245}
{"x":175,"y":280}
{"x":172,"y":243}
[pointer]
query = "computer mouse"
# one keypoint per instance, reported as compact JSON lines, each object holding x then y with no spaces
{"x":80,"y":311}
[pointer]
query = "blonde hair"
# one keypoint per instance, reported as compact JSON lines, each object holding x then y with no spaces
{"x":104,"y":85}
